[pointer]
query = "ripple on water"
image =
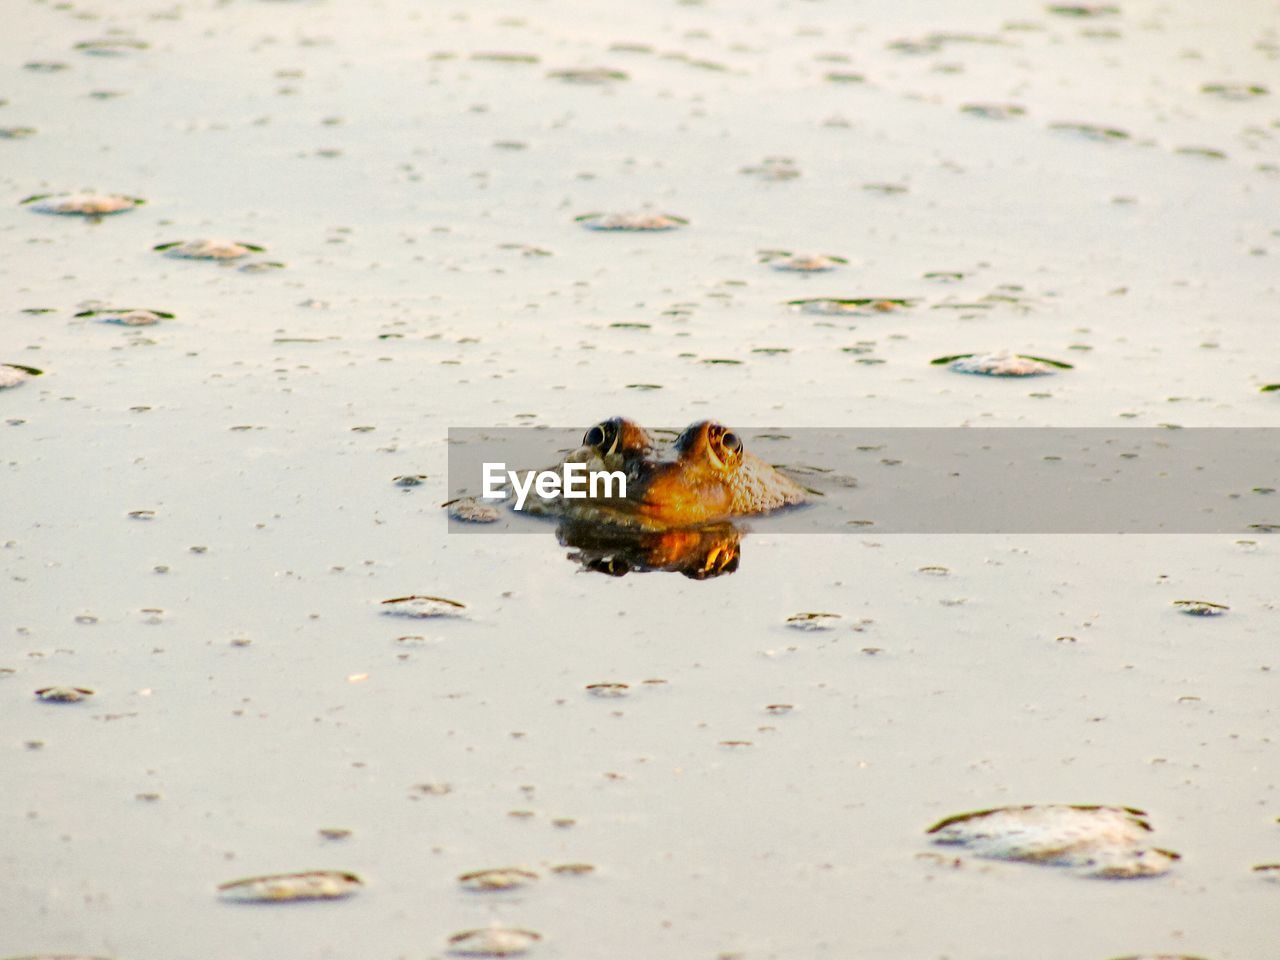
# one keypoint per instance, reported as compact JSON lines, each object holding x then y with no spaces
{"x":82,"y":204}
{"x":773,"y":169}
{"x":486,"y":56}
{"x":813,"y":621}
{"x":422,"y":607}
{"x":16,"y":374}
{"x":497,"y":879}
{"x":1084,"y":10}
{"x":994,"y":111}
{"x":855,"y":306}
{"x":493,"y":942}
{"x":63,"y":694}
{"x":1200,"y":608}
{"x":126,"y":316}
{"x":1106,"y":842}
{"x":111,"y":46}
{"x":589,"y":76}
{"x":289,"y":887}
{"x":1091,"y":131}
{"x":208,"y":249}
{"x":633,"y":222}
{"x":573,"y":869}
{"x":1235,"y":91}
{"x":789,"y":262}
{"x":1208,"y":153}
{"x":608,"y":690}
{"x":1001,"y":363}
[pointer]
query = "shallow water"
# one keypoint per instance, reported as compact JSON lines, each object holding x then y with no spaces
{"x":199,"y":518}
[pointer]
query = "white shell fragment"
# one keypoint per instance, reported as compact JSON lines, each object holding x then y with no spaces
{"x":63,"y":694}
{"x":472,"y":510}
{"x":1200,"y":608}
{"x":634,"y":222}
{"x":83,"y":204}
{"x":419,"y":607}
{"x":1002,"y":363}
{"x":208,"y":249}
{"x":1107,"y":842}
{"x":288,"y":887}
{"x":493,"y":942}
{"x":498,"y":878}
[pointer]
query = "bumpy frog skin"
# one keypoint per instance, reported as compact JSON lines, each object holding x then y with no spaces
{"x":694,"y":488}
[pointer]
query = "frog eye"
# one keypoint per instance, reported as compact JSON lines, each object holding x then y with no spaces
{"x":732,"y":442}
{"x":603,"y":437}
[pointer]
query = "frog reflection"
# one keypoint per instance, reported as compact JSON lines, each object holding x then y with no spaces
{"x":699,"y":553}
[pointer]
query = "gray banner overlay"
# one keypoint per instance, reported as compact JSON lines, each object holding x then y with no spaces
{"x":961,"y":480}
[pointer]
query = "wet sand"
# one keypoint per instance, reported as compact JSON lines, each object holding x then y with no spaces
{"x":370,"y":152}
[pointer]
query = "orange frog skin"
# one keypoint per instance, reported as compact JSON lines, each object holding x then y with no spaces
{"x":696,"y":487}
{"x":713,"y":478}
